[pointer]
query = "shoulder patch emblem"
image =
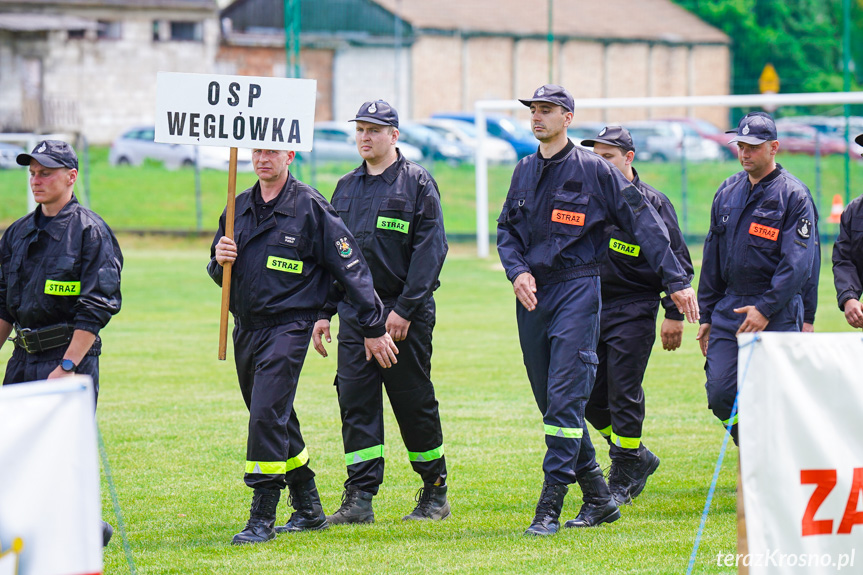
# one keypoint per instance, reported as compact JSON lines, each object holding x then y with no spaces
{"x":344,"y":247}
{"x":804,"y":228}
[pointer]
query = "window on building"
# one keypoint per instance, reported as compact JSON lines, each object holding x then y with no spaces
{"x":76,"y":34}
{"x":187,"y":31}
{"x":109,"y":30}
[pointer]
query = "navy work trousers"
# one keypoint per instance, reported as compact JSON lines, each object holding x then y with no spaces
{"x":268,"y":362}
{"x":626,"y":336}
{"x":24,"y":367}
{"x":558,"y":342}
{"x":411,"y":394}
{"x":721,"y":364}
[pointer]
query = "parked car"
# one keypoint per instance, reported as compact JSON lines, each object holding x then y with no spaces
{"x":137,"y":145}
{"x":584,"y":131}
{"x":336,"y":142}
{"x":9,"y":155}
{"x":497,"y":151}
{"x":434,"y":145}
{"x":503,"y":127}
{"x":800,"y":139}
{"x":708,"y":131}
{"x":659,"y":141}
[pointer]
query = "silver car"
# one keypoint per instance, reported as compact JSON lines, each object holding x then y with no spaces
{"x":336,"y":142}
{"x":497,"y":151}
{"x":663,"y":141}
{"x":137,"y":145}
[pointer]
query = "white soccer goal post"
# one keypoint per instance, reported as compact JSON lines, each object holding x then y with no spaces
{"x":483,"y":107}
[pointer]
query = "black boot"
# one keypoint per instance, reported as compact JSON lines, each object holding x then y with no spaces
{"x":308,"y":514}
{"x":599,"y":506}
{"x":356,"y":507}
{"x":548,"y":509}
{"x":262,"y":518}
{"x":431,"y":504}
{"x":629,"y":475}
{"x":107,"y":532}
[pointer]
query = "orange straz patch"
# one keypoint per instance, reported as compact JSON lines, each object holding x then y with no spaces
{"x":568,"y":218}
{"x":763,"y":231}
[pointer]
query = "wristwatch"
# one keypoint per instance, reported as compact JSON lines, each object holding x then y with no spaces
{"x":68,"y":366}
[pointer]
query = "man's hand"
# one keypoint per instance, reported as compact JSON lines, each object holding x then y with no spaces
{"x":60,"y":372}
{"x":808,"y":328}
{"x":755,"y":320}
{"x":524,"y":287}
{"x":671,"y":334}
{"x":397,"y":326}
{"x":686,"y":303}
{"x":226,"y":251}
{"x":321,"y":330}
{"x":854,"y":313}
{"x":703,"y":337}
{"x":382,"y":349}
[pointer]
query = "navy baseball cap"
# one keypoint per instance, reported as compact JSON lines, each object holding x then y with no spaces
{"x":552,"y":94}
{"x":51,"y":154}
{"x":755,"y":128}
{"x":377,"y":112}
{"x":859,"y":140}
{"x":616,"y":136}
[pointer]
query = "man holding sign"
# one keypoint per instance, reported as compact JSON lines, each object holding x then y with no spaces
{"x":288,"y":247}
{"x":758,"y":257}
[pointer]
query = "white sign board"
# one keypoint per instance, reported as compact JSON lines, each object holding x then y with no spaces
{"x":50,"y":508}
{"x":801,"y":452}
{"x":235,"y":111}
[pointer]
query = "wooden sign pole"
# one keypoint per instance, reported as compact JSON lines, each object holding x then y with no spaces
{"x":226,"y":269}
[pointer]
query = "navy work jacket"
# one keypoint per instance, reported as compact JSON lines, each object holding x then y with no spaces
{"x":397,"y":221}
{"x":761,"y":243}
{"x":848,"y":254}
{"x":626,"y":276}
{"x":67,"y":272}
{"x":552,"y":224}
{"x":286,"y":263}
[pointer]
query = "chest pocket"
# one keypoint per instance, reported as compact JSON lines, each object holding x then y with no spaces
{"x":721,"y":224}
{"x":285,"y":251}
{"x":764,"y":231}
{"x":342,"y":205}
{"x":394,"y":218}
{"x":569,"y":213}
{"x":512,"y":210}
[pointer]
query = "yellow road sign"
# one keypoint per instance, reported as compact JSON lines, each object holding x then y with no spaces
{"x":769,"y":80}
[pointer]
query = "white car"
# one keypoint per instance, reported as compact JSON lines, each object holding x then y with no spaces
{"x":664,"y":141}
{"x":336,"y":142}
{"x":137,"y":145}
{"x":497,"y":151}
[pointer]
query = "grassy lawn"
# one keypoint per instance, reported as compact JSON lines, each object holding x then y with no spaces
{"x":175,"y":428}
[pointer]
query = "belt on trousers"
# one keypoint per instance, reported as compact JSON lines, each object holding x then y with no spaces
{"x":44,"y":338}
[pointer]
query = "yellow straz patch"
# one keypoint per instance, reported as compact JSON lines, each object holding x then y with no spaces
{"x":393,"y":224}
{"x":624,"y":248}
{"x":568,"y":218}
{"x":283,"y":265}
{"x":62,"y":288}
{"x":765,"y":232}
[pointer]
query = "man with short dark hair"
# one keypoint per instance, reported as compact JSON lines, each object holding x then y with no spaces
{"x":758,"y":257}
{"x":848,"y":260}
{"x":289,"y":245}
{"x":392,"y":206}
{"x":630,"y":301}
{"x":550,"y":240}
{"x":59,"y":277}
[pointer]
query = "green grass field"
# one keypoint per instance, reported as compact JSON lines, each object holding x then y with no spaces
{"x":175,"y":428}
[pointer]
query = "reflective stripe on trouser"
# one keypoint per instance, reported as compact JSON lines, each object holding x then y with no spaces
{"x":558,"y":342}
{"x":360,"y":383}
{"x":721,"y":363}
{"x":626,"y":336}
{"x":268,"y":362}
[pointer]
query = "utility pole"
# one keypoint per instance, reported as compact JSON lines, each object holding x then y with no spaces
{"x":292,"y":38}
{"x":550,"y":43}
{"x":846,"y":85}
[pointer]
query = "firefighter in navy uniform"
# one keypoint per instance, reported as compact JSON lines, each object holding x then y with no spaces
{"x":758,"y":259}
{"x":392,"y":206}
{"x":288,"y":247}
{"x":627,"y":328}
{"x":59,"y":277}
{"x":550,"y":238}
{"x":848,"y":260}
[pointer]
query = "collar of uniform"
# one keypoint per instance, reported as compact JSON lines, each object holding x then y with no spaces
{"x":635,"y":179}
{"x":390,"y":174}
{"x":770,"y":177}
{"x":57,"y":227}
{"x":560,"y":155}
{"x":287,"y":197}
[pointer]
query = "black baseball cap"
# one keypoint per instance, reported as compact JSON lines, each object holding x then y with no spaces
{"x":552,"y":94}
{"x":617,"y":136}
{"x":377,"y":112}
{"x":755,"y":128}
{"x":859,"y":140}
{"x":51,"y":154}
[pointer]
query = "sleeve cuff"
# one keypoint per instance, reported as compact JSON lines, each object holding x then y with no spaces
{"x":515,"y":272}
{"x":765,"y":312}
{"x":4,"y":315}
{"x":403,"y":310}
{"x":88,"y":326}
{"x":324,"y":315}
{"x":845,"y":296}
{"x":674,"y":287}
{"x":372,"y":332}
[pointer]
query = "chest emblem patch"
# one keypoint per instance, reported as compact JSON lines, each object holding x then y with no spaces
{"x":344,"y":247}
{"x":763,"y":231}
{"x":568,"y":218}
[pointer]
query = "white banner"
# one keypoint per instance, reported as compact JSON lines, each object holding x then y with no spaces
{"x":235,"y":111}
{"x":801,"y":448}
{"x":50,"y":509}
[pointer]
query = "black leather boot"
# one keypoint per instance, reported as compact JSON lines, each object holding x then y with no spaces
{"x":356,"y":508}
{"x":308,"y":514}
{"x":431,"y":504}
{"x":599,"y":506}
{"x":262,"y":518}
{"x":628,"y":476}
{"x":107,"y":532}
{"x":546,"y":521}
